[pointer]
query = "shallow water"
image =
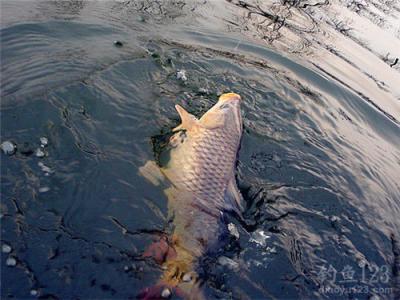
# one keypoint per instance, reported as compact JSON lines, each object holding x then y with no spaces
{"x":319,"y":164}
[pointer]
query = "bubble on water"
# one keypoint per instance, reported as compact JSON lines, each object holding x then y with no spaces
{"x":187,"y":277}
{"x":11,"y":262}
{"x":34,"y":292}
{"x":44,"y":189}
{"x":181,"y":75}
{"x":6,"y":248}
{"x":334,"y":219}
{"x":260,"y":238}
{"x":127,"y":268}
{"x":8,"y":147}
{"x":253,"y":262}
{"x":203,"y":91}
{"x":233,"y":230}
{"x":39,"y":153}
{"x":166,"y":293}
{"x":44,"y":168}
{"x":44,"y":141}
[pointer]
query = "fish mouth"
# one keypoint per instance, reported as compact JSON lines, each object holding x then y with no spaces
{"x":229,"y":97}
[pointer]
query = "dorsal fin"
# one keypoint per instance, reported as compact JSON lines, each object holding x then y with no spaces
{"x":188,"y":120}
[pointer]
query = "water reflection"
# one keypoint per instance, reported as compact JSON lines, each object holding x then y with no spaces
{"x":310,"y":29}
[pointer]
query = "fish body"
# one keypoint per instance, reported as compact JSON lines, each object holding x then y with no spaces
{"x":200,"y":168}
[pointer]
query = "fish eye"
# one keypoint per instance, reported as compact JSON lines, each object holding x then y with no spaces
{"x":224,"y":106}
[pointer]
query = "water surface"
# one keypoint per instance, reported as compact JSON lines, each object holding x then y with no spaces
{"x":319,"y":164}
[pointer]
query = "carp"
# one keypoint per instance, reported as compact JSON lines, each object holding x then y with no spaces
{"x":199,"y":170}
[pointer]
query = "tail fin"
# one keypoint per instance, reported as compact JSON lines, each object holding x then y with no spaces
{"x":179,"y":278}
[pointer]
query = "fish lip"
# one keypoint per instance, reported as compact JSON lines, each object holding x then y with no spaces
{"x":229,"y":96}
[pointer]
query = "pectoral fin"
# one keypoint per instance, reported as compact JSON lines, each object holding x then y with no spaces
{"x":152,"y":173}
{"x":188,"y":120}
{"x":233,"y":198}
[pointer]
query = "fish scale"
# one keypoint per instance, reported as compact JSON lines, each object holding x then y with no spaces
{"x":213,"y":154}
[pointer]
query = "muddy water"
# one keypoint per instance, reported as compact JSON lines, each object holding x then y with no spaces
{"x":319,"y":164}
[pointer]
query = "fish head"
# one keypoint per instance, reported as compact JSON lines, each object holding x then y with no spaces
{"x":225,"y":113}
